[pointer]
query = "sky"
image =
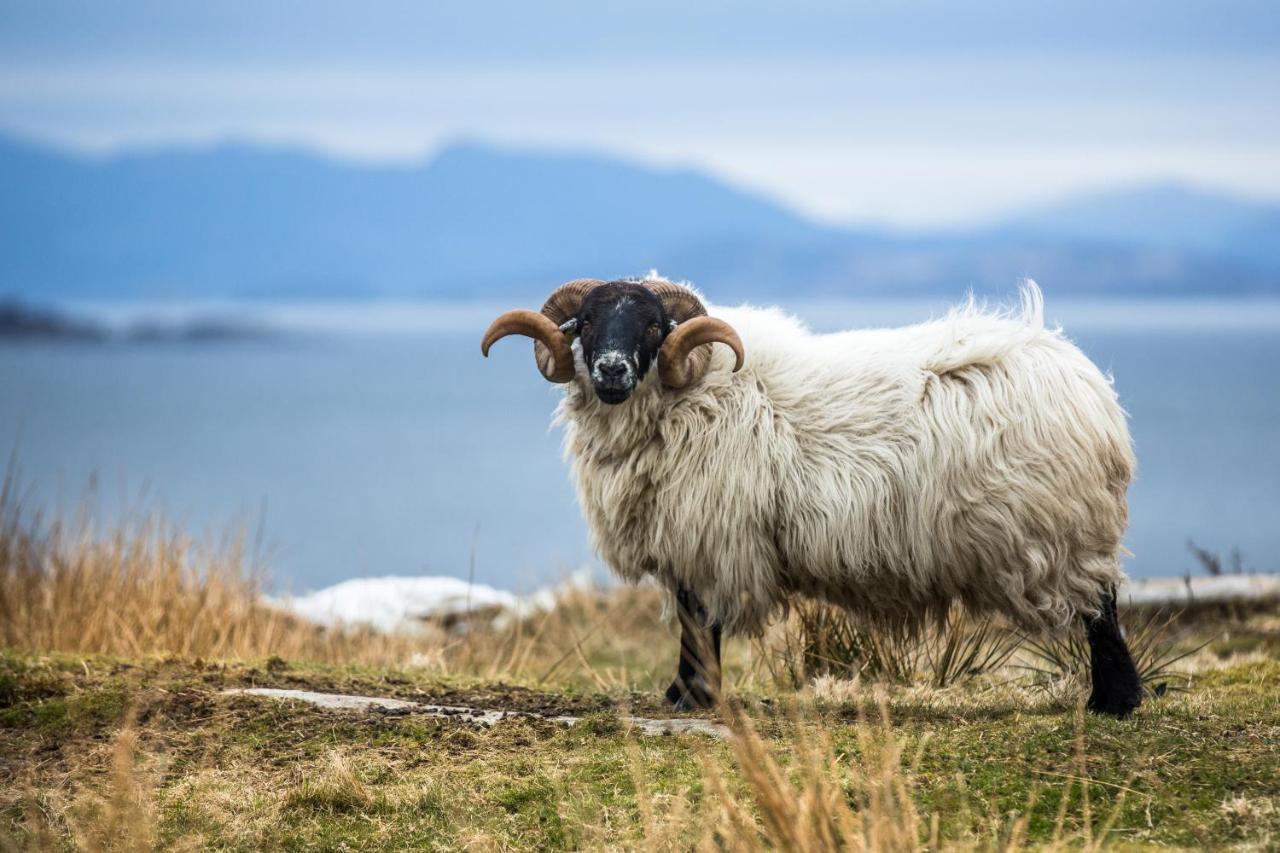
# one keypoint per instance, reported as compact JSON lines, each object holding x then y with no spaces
{"x":908,"y":114}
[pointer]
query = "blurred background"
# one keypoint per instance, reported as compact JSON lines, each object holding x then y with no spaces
{"x":247,"y":250}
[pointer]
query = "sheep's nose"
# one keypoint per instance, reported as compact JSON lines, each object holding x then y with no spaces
{"x":613,"y":369}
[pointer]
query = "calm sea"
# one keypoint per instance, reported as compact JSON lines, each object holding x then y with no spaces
{"x":374,"y":439}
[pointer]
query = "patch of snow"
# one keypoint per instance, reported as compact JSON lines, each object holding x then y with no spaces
{"x":397,"y":602}
{"x":389,"y":603}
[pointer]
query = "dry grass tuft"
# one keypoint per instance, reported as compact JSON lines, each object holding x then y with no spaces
{"x":862,"y":804}
{"x":124,"y":816}
{"x":332,"y":789}
{"x":826,"y":641}
{"x":588,"y":638}
{"x":141,"y":589}
{"x":1156,"y":639}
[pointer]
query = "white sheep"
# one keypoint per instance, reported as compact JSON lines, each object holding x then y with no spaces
{"x":980,"y":458}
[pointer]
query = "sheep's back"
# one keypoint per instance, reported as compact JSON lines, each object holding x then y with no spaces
{"x":978,"y":458}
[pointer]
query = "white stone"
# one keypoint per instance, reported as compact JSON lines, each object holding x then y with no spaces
{"x":647,"y":726}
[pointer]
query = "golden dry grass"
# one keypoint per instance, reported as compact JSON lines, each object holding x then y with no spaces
{"x":141,"y":588}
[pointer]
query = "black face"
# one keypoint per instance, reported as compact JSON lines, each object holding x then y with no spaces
{"x":621,"y":326}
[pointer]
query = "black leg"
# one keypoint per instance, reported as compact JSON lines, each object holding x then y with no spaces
{"x":1117,"y":689}
{"x":697,"y":683}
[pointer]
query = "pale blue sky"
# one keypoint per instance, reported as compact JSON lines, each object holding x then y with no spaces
{"x":897,"y":112}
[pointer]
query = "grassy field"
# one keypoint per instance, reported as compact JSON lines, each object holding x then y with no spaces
{"x":115,"y":732}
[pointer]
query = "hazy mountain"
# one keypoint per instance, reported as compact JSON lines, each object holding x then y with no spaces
{"x":248,"y":220}
{"x":1163,"y":216}
{"x":243,"y":220}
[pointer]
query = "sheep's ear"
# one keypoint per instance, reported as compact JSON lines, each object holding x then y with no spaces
{"x":671,"y":326}
{"x":570,"y":328}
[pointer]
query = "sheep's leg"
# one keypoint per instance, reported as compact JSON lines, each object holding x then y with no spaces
{"x":1117,"y":690}
{"x":697,"y":683}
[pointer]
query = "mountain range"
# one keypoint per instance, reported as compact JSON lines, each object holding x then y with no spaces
{"x":242,"y":220}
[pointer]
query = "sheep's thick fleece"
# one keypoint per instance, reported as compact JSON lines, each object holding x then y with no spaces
{"x":979,"y":457}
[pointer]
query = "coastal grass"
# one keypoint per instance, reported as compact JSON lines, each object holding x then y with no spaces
{"x":116,"y":732}
{"x":106,"y":752}
{"x":139,"y":587}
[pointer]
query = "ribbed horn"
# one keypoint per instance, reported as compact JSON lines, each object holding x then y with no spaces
{"x":551,"y":350}
{"x":522,"y":321}
{"x":675,"y":365}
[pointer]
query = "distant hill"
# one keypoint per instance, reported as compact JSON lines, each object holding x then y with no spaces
{"x":243,"y":220}
{"x":1162,"y":216}
{"x":246,"y":220}
{"x":20,"y":322}
{"x":26,"y":322}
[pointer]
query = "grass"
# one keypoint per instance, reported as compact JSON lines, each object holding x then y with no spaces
{"x":115,"y":732}
{"x":826,"y":641}
{"x":141,"y":588}
{"x":885,"y":767}
{"x":1157,"y":640}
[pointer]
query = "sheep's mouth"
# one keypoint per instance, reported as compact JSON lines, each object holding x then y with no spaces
{"x":613,"y":395}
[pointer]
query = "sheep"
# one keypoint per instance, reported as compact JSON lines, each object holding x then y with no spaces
{"x":980,"y":458}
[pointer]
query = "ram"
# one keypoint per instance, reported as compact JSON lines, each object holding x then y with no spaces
{"x":979,"y":458}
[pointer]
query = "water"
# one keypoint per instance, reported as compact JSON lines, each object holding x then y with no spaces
{"x":407,"y":453}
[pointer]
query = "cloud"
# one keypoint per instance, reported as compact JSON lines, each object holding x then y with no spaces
{"x":904,"y":125}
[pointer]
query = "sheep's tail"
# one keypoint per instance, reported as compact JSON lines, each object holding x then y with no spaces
{"x":980,"y":335}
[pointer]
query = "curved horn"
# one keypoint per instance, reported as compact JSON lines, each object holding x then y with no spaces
{"x":551,"y":348}
{"x":686,"y":355}
{"x":675,"y":364}
{"x":521,"y":321}
{"x":680,"y":302}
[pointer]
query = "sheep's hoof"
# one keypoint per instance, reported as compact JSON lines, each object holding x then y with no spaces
{"x":1118,"y":705}
{"x":696,"y":695}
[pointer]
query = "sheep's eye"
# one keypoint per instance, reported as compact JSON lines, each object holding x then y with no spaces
{"x":654,"y":328}
{"x":584,"y":327}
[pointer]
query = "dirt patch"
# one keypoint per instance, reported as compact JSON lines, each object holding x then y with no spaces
{"x":509,"y":697}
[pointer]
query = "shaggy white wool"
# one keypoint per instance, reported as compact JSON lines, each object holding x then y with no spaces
{"x":979,"y":457}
